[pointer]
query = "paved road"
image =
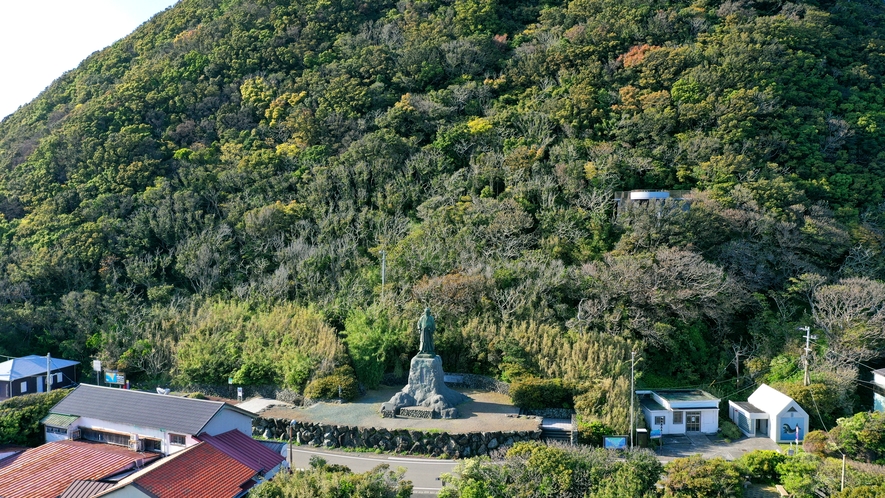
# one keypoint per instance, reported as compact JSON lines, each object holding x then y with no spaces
{"x":423,"y":472}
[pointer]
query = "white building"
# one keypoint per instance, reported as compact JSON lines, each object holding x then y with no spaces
{"x":878,"y":390}
{"x":677,"y":411}
{"x":770,"y":413}
{"x":140,"y":420}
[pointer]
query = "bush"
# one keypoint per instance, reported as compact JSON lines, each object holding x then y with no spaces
{"x":592,"y":432}
{"x":729,"y":430}
{"x":761,"y":465}
{"x":694,"y":476}
{"x":534,"y":393}
{"x":816,"y":442}
{"x":20,"y":417}
{"x":328,"y":387}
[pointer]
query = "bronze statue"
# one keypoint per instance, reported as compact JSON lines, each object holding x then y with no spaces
{"x":426,"y":328}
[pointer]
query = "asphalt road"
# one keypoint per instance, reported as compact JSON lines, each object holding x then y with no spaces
{"x":423,"y":472}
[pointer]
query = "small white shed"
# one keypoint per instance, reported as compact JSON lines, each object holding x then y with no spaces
{"x":879,"y":390}
{"x":770,"y":413}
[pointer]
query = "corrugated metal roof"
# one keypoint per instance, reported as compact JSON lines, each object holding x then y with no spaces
{"x":747,"y":407}
{"x":200,"y":470}
{"x":85,"y":489}
{"x":59,"y":420}
{"x":28,"y":366}
{"x":47,"y":470}
{"x":156,"y":411}
{"x":245,"y":450}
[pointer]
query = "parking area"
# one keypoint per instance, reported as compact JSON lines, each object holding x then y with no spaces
{"x":710,"y":446}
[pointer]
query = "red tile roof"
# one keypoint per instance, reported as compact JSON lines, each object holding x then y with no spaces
{"x":200,"y":470}
{"x":245,"y":450}
{"x":47,"y":470}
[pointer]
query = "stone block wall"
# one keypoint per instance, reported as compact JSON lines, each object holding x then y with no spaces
{"x":565,"y":413}
{"x":402,"y":441}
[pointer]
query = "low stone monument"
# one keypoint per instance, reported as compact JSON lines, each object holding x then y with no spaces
{"x":426,"y":395}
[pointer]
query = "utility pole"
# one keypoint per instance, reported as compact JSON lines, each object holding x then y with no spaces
{"x":48,"y":373}
{"x":383,"y":272}
{"x":842,"y":488}
{"x":632,"y":394}
{"x":808,"y":338}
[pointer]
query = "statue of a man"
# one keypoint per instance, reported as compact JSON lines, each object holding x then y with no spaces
{"x":426,"y":327}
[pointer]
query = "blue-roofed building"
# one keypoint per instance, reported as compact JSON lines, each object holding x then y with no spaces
{"x":27,"y":375}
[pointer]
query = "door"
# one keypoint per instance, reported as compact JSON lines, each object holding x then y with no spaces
{"x":692,"y":421}
{"x":40,"y":384}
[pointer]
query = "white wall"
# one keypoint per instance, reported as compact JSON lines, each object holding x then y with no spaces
{"x":143,"y":432}
{"x":126,"y":492}
{"x":227,"y":419}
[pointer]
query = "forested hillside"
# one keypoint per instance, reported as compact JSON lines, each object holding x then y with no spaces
{"x":213,"y":194}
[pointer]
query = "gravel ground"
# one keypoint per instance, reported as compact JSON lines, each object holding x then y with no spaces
{"x":484,"y":412}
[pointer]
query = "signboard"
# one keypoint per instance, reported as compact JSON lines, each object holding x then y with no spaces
{"x":96,"y":365}
{"x":114,"y":377}
{"x":239,"y":394}
{"x":656,"y":433}
{"x":230,"y":380}
{"x":614,"y":442}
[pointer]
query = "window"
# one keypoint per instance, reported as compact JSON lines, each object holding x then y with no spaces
{"x":660,"y":420}
{"x":24,"y":386}
{"x":177,"y":439}
{"x":677,"y":418}
{"x":55,"y":430}
{"x":154,"y":445}
{"x":58,"y":378}
{"x":106,"y":437}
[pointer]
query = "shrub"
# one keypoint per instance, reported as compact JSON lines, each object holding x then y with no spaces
{"x":328,"y":387}
{"x":816,"y":442}
{"x":694,"y":476}
{"x":20,"y":417}
{"x":592,"y":432}
{"x":761,"y":465}
{"x":729,"y":430}
{"x":534,"y":393}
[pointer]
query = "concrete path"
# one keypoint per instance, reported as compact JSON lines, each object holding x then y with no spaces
{"x":680,"y":446}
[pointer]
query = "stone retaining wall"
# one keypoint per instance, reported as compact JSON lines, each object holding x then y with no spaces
{"x":227,"y":391}
{"x":401,"y":440}
{"x":565,"y":413}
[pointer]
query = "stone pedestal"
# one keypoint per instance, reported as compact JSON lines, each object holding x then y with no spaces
{"x":427,"y":389}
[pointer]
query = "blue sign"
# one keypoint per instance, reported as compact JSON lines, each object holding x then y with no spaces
{"x":656,"y":433}
{"x":791,"y":428}
{"x":114,"y":377}
{"x":614,"y":442}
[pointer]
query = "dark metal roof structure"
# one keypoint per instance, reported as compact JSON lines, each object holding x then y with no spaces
{"x":142,"y":409}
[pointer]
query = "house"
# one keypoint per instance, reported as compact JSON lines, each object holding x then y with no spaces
{"x":770,"y":413}
{"x":27,"y":375}
{"x":879,"y":390}
{"x":199,"y":470}
{"x":140,"y":420}
{"x":251,"y":453}
{"x":48,"y":470}
{"x":677,"y":411}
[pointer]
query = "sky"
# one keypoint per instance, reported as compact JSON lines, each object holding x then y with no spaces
{"x":41,"y":39}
